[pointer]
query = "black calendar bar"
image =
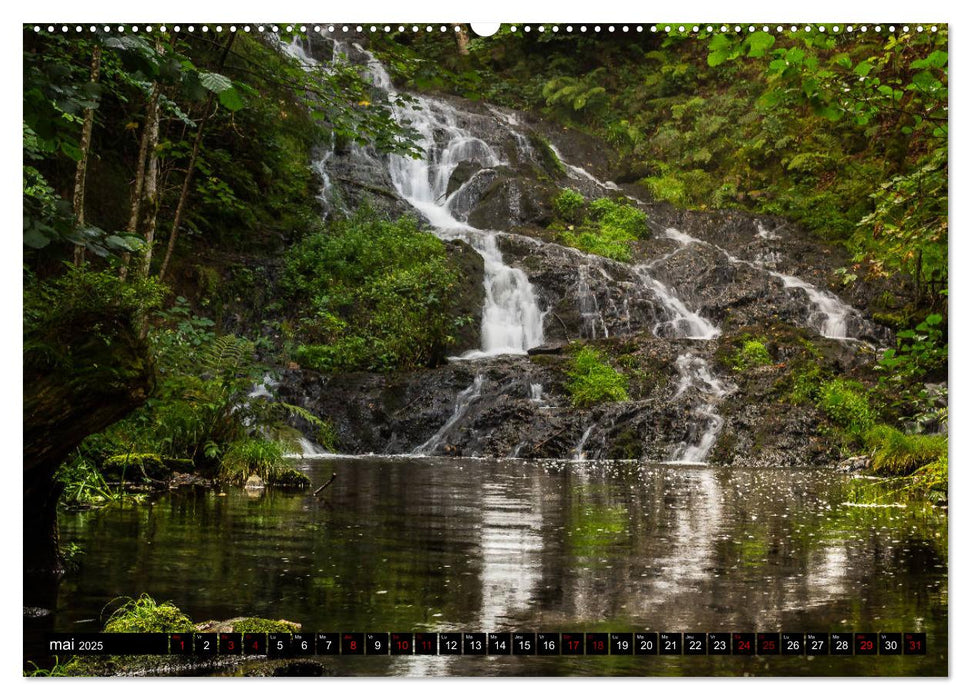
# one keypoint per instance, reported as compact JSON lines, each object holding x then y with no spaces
{"x":280,"y":645}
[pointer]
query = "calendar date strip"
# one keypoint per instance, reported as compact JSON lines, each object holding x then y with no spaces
{"x":280,"y":645}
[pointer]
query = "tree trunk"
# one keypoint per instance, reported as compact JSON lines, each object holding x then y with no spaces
{"x":184,"y":194}
{"x":136,"y":196}
{"x":150,"y":195}
{"x":81,"y":173}
{"x":462,"y":39}
{"x":93,"y":379}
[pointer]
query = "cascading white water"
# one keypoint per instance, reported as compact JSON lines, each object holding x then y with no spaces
{"x":695,"y":372}
{"x":462,"y":403}
{"x":683,"y":322}
{"x":578,"y":454}
{"x":512,"y":321}
{"x":593,"y":318}
{"x":829,"y":315}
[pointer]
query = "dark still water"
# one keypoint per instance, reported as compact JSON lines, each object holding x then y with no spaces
{"x":474,"y":545}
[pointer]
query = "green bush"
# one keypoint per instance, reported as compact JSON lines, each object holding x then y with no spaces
{"x":753,"y":353}
{"x":846,"y":404}
{"x":252,"y":455}
{"x":593,"y":380}
{"x":895,"y":453}
{"x":569,"y":205}
{"x":609,"y":229}
{"x":146,"y":615}
{"x":373,"y":294}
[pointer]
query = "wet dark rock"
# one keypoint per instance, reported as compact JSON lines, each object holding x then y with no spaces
{"x":851,"y":465}
{"x":511,"y":202}
{"x":180,"y":480}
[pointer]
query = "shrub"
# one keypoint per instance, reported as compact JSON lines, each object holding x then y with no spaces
{"x":146,"y":615}
{"x":252,"y":455}
{"x":609,"y":230}
{"x":593,"y":380}
{"x":753,"y":353}
{"x":569,"y":205}
{"x":373,"y":295}
{"x":846,"y":404}
{"x":897,"y":454}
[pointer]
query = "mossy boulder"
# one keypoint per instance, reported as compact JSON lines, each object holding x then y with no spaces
{"x":248,"y":625}
{"x":290,"y":477}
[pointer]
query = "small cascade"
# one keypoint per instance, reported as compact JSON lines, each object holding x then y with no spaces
{"x":695,"y":373}
{"x":578,"y":454}
{"x":829,"y":314}
{"x":308,"y":450}
{"x":536,"y":393}
{"x":462,"y":403}
{"x":577,"y":173}
{"x":593,"y":319}
{"x":512,"y":322}
{"x":681,"y":322}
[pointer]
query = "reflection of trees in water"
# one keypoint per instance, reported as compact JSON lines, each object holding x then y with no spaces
{"x":453,"y":545}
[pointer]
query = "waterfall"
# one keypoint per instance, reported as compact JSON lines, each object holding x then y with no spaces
{"x":536,"y":393}
{"x":462,"y":403}
{"x":683,"y":322}
{"x":512,"y":322}
{"x":828,"y":315}
{"x":695,"y":373}
{"x":593,"y":319}
{"x":831,"y":313}
{"x":578,"y":453}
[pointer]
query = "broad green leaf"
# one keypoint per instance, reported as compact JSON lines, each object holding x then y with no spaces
{"x":759,"y":43}
{"x":214,"y":82}
{"x":231,"y":100}
{"x":863,"y":68}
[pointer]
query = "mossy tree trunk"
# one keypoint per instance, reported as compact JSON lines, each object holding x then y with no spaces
{"x":79,"y":377}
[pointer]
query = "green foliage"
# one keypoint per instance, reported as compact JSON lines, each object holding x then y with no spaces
{"x":592,"y":380}
{"x":252,"y":455}
{"x":846,"y":404}
{"x":375,"y":295}
{"x":895,"y":453}
{"x":920,"y":356}
{"x":84,"y":485}
{"x":752,"y":353}
{"x":146,"y":615}
{"x":569,"y":206}
{"x":608,"y":227}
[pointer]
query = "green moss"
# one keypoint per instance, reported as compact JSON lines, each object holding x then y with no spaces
{"x":569,"y":205}
{"x":146,"y":615}
{"x":593,"y":380}
{"x":262,"y":624}
{"x":607,"y":230}
{"x":289,"y":477}
{"x":845,"y":403}
{"x":752,"y":353}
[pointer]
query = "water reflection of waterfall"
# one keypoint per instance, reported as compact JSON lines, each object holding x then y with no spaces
{"x":510,"y":548}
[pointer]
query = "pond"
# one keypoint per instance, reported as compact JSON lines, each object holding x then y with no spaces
{"x":399,"y":544}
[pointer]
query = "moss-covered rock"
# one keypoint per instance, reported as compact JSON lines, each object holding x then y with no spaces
{"x":289,"y":477}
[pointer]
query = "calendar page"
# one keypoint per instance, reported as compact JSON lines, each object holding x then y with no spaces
{"x":514,"y":349}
